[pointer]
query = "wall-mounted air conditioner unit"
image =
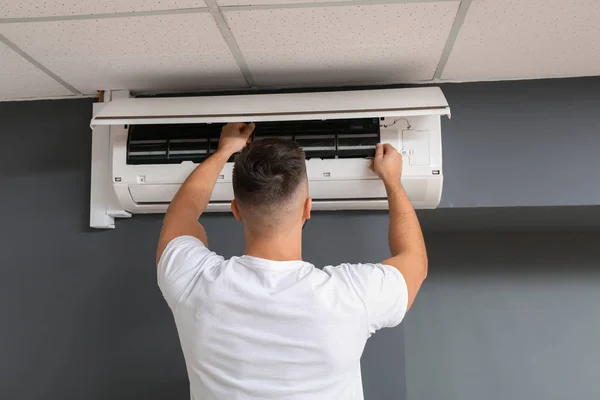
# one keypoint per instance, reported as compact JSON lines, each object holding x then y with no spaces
{"x":144,"y":148}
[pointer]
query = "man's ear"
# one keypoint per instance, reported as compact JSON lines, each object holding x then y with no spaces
{"x":235,"y":211}
{"x":307,"y":208}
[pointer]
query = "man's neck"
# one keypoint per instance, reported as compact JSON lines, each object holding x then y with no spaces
{"x":280,"y":247}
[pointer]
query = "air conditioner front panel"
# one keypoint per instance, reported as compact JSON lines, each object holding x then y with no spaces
{"x":153,"y":161}
{"x":318,"y":205}
{"x":152,"y":194}
{"x":367,"y":189}
{"x":417,"y":190}
{"x":274,"y":107}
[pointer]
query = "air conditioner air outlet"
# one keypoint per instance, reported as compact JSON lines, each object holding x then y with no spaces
{"x":327,"y":139}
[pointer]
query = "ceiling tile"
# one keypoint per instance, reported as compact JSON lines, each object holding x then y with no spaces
{"x":505,"y":39}
{"x":343,"y":44}
{"x":174,"y":52}
{"x":44,"y":8}
{"x":257,"y":2}
{"x":21,"y":80}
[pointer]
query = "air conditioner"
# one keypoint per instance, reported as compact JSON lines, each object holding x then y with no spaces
{"x":144,"y":148}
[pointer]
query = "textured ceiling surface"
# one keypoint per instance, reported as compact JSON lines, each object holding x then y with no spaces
{"x":67,"y":48}
{"x":54,"y":8}
{"x":527,"y":39}
{"x":343,"y":45}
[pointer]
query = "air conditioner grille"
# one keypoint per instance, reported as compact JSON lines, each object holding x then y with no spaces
{"x":174,"y":143}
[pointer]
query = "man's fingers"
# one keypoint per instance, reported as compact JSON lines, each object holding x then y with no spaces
{"x":378,"y":151}
{"x":247,"y":129}
{"x":236,"y":125}
{"x":387,"y":148}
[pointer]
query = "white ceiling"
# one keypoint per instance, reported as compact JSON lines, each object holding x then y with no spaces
{"x":67,"y":48}
{"x":527,"y":39}
{"x":343,"y":45}
{"x":145,"y":53}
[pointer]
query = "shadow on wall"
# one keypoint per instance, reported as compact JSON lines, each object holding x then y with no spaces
{"x":528,"y":255}
{"x":505,"y":144}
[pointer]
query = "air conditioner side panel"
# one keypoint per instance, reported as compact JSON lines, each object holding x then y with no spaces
{"x":104,"y":203}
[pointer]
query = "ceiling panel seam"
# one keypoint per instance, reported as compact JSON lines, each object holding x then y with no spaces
{"x":343,"y":3}
{"x":463,"y":8}
{"x":127,"y":14}
{"x":38,"y":65}
{"x":233,"y":45}
{"x":195,"y":10}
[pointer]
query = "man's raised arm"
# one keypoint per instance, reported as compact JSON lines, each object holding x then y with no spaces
{"x":405,"y":238}
{"x":193,"y":196}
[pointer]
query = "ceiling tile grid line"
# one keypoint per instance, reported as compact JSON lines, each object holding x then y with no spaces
{"x":193,"y":10}
{"x":127,"y":14}
{"x":321,"y":4}
{"x":50,"y":8}
{"x":229,"y":39}
{"x":452,"y":36}
{"x":38,"y":65}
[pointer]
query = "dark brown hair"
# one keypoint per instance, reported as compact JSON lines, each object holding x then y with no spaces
{"x":268,"y":172}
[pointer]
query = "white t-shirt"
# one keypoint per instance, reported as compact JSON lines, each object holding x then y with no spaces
{"x":252,"y":328}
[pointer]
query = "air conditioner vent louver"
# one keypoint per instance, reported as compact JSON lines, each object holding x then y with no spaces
{"x":175,"y":143}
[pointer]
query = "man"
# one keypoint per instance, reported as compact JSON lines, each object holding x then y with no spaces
{"x":268,"y":325}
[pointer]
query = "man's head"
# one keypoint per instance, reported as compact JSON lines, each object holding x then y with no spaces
{"x":271,"y":186}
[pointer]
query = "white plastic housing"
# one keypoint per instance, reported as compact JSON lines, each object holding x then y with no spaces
{"x":334,"y":184}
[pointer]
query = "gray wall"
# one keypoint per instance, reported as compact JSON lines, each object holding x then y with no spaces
{"x":522,"y":143}
{"x":82,"y":317}
{"x":507,"y":316}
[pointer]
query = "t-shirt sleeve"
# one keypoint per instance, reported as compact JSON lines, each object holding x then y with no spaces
{"x":181,"y":266}
{"x":381,"y":288}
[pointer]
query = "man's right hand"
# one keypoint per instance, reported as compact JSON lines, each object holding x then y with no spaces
{"x":387,"y":163}
{"x":235,"y":136}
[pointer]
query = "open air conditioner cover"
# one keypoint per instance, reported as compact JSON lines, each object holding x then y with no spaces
{"x":144,"y":148}
{"x":274,"y":107}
